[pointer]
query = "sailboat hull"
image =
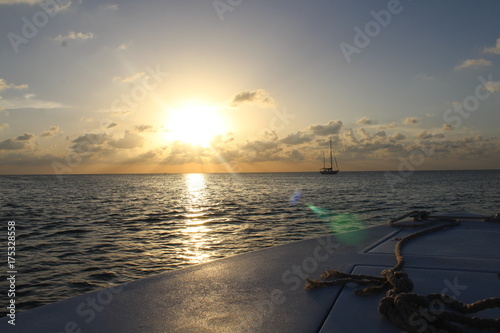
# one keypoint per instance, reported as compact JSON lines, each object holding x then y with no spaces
{"x":329,"y":172}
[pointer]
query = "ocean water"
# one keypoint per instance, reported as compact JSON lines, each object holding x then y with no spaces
{"x":80,"y":233}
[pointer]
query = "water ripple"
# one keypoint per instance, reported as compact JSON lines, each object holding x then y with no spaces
{"x":91,"y":231}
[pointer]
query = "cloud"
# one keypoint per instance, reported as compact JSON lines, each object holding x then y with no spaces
{"x":147,"y":157}
{"x":390,"y":125}
{"x":378,"y":146}
{"x":96,"y":139}
{"x":296,"y":155}
{"x":258,"y":96}
{"x":111,"y":7}
{"x":474,"y":63}
{"x":71,"y":35}
{"x":411,"y":121}
{"x":260,"y":145}
{"x":495,"y":49}
{"x":424,"y":76}
{"x":363,"y":133}
{"x":129,"y":141}
{"x":264,"y":154}
{"x":4,"y":85}
{"x":303,"y":145}
{"x":297,"y":138}
{"x":145,"y":128}
{"x":360,"y":144}
{"x":18,"y":158}
{"x":15,"y":2}
{"x":104,"y":147}
{"x":3,"y":126}
{"x":333,"y":127}
{"x":50,"y":132}
{"x":25,"y":137}
{"x":471,"y":148}
{"x":89,"y":142}
{"x":11,"y":144}
{"x":447,"y":127}
{"x":365,"y":121}
{"x":266,"y":148}
{"x":349,"y":137}
{"x":18,"y":143}
{"x":112,"y":125}
{"x":56,"y":6}
{"x":397,"y":136}
{"x":124,"y":46}
{"x":426,"y":135}
{"x":492,"y":86}
{"x":28,"y":102}
{"x":181,"y":152}
{"x":131,"y":78}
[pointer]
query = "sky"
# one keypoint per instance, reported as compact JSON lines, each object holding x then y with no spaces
{"x":248,"y":86}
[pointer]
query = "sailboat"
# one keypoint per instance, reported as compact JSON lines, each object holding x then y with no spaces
{"x":330,"y":170}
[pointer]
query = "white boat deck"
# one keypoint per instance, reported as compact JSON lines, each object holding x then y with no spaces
{"x":263,"y":291}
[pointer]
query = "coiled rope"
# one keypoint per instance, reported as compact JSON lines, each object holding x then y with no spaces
{"x":407,"y":310}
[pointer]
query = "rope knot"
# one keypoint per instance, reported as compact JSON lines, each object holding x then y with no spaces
{"x":402,"y":310}
{"x":399,"y":281}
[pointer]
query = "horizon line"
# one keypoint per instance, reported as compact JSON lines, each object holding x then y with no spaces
{"x":231,"y":173}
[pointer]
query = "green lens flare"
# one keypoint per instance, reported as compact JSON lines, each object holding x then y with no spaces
{"x":323,"y":214}
{"x":341,"y":223}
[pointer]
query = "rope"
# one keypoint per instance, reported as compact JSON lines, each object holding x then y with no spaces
{"x":409,"y":311}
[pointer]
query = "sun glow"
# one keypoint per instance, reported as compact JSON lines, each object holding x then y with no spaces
{"x":195,"y":123}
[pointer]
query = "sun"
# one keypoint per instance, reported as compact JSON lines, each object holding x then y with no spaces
{"x":195,"y":123}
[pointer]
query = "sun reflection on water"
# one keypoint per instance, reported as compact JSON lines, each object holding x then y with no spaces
{"x":196,"y":188}
{"x":195,"y":247}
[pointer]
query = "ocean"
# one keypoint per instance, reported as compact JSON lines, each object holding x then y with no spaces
{"x":79,"y":233}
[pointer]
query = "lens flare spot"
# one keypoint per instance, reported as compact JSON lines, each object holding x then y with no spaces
{"x":341,"y":223}
{"x":295,"y":198}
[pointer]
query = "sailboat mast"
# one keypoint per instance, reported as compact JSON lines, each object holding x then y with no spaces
{"x":331,"y":159}
{"x":336,"y":164}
